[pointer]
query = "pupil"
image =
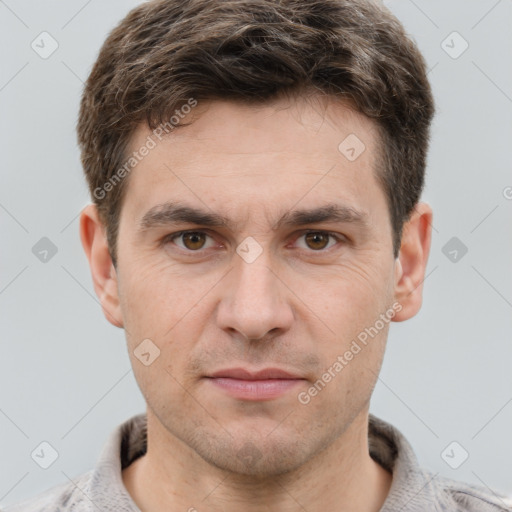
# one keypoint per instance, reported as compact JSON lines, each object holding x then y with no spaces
{"x":317,"y":238}
{"x":194,"y":240}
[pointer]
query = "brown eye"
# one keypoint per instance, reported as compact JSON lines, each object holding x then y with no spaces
{"x":317,"y":240}
{"x":193,"y":240}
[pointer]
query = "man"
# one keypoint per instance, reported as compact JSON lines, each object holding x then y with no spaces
{"x":256,"y":168}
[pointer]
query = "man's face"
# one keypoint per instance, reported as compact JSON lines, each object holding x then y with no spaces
{"x":295,"y":295}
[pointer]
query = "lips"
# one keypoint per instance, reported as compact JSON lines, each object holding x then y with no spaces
{"x":255,"y":385}
{"x":262,"y":385}
{"x":264,"y":374}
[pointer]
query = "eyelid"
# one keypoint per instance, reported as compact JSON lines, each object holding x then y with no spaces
{"x":172,"y":236}
{"x":337,"y":236}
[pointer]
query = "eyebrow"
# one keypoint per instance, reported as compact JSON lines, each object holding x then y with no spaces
{"x":327,"y":213}
{"x":171,"y":213}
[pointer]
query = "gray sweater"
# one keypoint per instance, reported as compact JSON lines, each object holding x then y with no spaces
{"x":412,"y":489}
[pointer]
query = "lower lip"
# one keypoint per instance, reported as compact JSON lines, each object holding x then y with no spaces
{"x":255,"y":389}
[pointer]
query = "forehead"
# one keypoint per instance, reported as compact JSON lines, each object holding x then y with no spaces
{"x":268,"y":156}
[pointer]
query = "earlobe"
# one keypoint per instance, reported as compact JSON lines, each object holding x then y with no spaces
{"x":104,"y":275}
{"x":411,"y":263}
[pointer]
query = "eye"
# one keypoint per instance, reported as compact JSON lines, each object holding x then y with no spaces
{"x":190,"y":240}
{"x":318,"y":240}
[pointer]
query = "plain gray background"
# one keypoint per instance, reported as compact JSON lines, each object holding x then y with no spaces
{"x":65,"y":374}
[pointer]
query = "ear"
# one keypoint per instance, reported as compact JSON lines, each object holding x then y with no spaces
{"x":104,"y":276}
{"x":412,"y":260}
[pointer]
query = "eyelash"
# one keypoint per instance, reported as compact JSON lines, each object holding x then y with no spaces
{"x":337,"y":237}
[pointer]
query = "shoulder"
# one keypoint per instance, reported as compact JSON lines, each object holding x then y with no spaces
{"x":417,"y":489}
{"x":470,"y":498}
{"x":65,"y":497}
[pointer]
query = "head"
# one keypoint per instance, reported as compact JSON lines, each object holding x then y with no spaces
{"x":256,"y":168}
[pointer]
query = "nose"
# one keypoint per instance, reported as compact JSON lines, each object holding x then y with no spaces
{"x":255,"y":301}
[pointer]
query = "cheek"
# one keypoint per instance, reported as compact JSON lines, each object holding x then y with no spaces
{"x":173,"y":331}
{"x":157,"y":296}
{"x":169,"y":308}
{"x":163,"y":389}
{"x":350,"y":303}
{"x":349,"y":296}
{"x":349,"y":374}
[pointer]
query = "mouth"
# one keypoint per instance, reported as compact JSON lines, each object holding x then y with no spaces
{"x":265,"y":384}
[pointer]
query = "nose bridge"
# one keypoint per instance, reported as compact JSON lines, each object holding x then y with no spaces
{"x":255,"y":281}
{"x":254,"y":301}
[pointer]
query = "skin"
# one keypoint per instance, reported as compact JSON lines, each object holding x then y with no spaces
{"x":298,"y":306}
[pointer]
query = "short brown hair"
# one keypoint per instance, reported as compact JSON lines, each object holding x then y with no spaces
{"x":165,"y":52}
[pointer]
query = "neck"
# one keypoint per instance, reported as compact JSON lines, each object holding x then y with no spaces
{"x":342,"y":477}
